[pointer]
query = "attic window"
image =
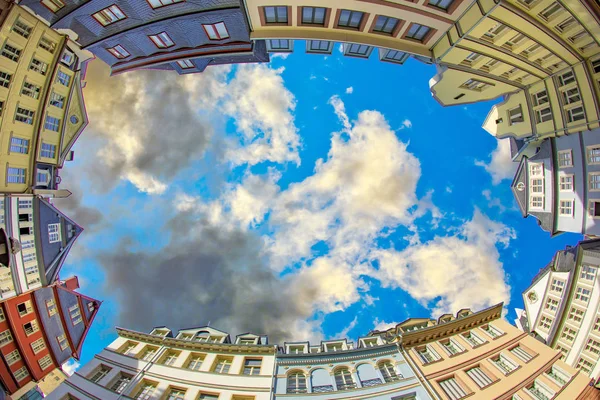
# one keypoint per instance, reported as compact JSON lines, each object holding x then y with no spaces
{"x":247,"y":341}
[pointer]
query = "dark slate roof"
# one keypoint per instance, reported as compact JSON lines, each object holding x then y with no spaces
{"x":520,"y":180}
{"x":516,"y":145}
{"x":563,"y":261}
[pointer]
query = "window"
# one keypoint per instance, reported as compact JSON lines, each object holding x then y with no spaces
{"x":521,"y":354}
{"x":452,"y":388}
{"x":596,"y":66}
{"x":216,"y":31}
{"x":552,"y":305}
{"x":593,"y":346}
{"x":492,"y":331}
{"x":566,"y":207}
{"x":593,"y":155}
{"x":550,"y":11}
{"x":109,"y":15}
{"x":185,"y":64}
{"x":571,"y":96}
{"x":63,"y":78}
{"x":161,"y":3}
{"x":321,"y":46}
{"x":252,"y":366}
{"x":494,"y":31}
{"x":566,"y":24}
{"x":343,"y":379}
{"x":54,"y":232}
{"x":426,"y":354}
{"x":395,"y":55}
{"x":296,"y":382}
{"x":195,"y":361}
{"x":2,"y":317}
{"x":52,"y":124}
{"x":163,"y":40}
{"x":473,"y":339}
{"x":31,"y":90}
{"x":585,"y":365}
{"x":206,"y":396}
{"x":568,"y":334}
{"x":13,"y":357}
{"x":388,"y":371}
{"x":38,"y":66}
{"x":504,"y":364}
{"x":176,"y":394}
{"x":21,"y":28}
{"x":21,"y":373}
{"x":557,"y":285}
{"x":417,"y":32}
{"x":582,"y":294}
{"x":148,"y":353}
{"x":545,"y":323}
{"x":442,"y":4}
{"x":18,"y":145}
{"x":480,"y":377}
{"x":53,"y":5}
{"x":539,"y":391}
{"x":38,"y":345}
{"x":62,"y":342}
{"x":566,"y":78}
{"x":313,"y":15}
{"x":540,"y":98}
{"x":11,"y":52}
{"x":31,"y":327}
{"x":45,"y":362}
{"x":5,"y":79}
{"x":451,"y":347}
{"x":121,"y":382}
{"x":575,"y":114}
{"x":543,"y":115}
{"x":354,"y":49}
{"x":24,"y":115}
{"x":47,"y":45}
{"x":57,"y":100}
{"x":99,"y":373}
{"x":279,"y":44}
{"x":146,"y":391}
{"x":170,"y":358}
{"x":576,"y":315}
{"x":563,"y":352}
{"x":476,"y":85}
{"x":67,"y":57}
{"x":24,"y":308}
{"x":350,"y":19}
{"x":566,"y":183}
{"x":515,"y":115}
{"x":385,"y":24}
{"x":5,"y":338}
{"x":119,"y":51}
{"x":222,"y":365}
{"x":565,"y":158}
{"x":276,"y":15}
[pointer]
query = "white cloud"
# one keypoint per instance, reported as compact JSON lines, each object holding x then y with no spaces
{"x":453,"y":272}
{"x":381,"y":325}
{"x":407,"y":123}
{"x":501,"y":165}
{"x":349,"y":90}
{"x":70,"y":366}
{"x":262,"y":108}
{"x":493,"y":202}
{"x":282,"y":56}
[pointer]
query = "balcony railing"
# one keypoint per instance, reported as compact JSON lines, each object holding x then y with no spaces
{"x":346,"y":386}
{"x":393,"y":378}
{"x":322,"y":389}
{"x":292,"y":390}
{"x":371,"y":382}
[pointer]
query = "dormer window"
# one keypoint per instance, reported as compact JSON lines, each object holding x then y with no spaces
{"x":207,"y":338}
{"x":247,"y":341}
{"x":160,"y":332}
{"x":185,"y":336}
{"x":296,"y":350}
{"x":370,"y":342}
{"x":334,"y":347}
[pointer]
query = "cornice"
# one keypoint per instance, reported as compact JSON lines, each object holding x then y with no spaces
{"x":340,"y":357}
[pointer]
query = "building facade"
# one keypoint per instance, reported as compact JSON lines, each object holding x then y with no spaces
{"x":562,"y":306}
{"x":39,"y":331}
{"x":176,"y":35}
{"x":481,"y":356}
{"x":471,"y":354}
{"x":37,"y":239}
{"x":41,"y":103}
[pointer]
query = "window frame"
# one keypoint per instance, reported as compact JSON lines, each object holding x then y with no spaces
{"x":118,"y":51}
{"x":217,"y":35}
{"x":109,"y":9}
{"x":326,"y":16}
{"x":276,"y":9}
{"x":350,"y":25}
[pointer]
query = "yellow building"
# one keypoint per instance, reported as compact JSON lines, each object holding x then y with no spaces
{"x":397,"y":28}
{"x":482,"y":356}
{"x":41,"y":103}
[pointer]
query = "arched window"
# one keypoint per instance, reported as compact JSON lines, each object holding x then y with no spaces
{"x":343,"y":379}
{"x":389,"y":372}
{"x":320,"y":381}
{"x":367,"y":375}
{"x":296,"y":382}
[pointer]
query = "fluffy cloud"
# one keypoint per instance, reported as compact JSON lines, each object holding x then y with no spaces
{"x":501,"y":165}
{"x":451,"y":272}
{"x":70,"y":367}
{"x":349,"y":90}
{"x":367,"y":182}
{"x":262,"y":109}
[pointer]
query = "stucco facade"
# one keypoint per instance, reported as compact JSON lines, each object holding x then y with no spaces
{"x":182,"y":36}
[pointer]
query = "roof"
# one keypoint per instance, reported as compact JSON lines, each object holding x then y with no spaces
{"x":520,"y":187}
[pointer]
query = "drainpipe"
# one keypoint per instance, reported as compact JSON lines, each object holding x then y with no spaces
{"x":422,"y":378}
{"x":274,"y":373}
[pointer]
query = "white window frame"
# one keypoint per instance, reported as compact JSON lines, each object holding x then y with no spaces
{"x":216,"y":31}
{"x":54,"y":235}
{"x":566,"y":160}
{"x":566,"y":208}
{"x":567,"y":182}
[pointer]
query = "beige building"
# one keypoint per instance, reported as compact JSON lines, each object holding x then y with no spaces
{"x":41,"y":103}
{"x":481,"y":356}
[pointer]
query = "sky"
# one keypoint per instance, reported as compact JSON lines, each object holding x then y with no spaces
{"x":311,"y":198}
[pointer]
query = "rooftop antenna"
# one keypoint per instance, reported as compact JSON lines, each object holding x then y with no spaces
{"x":208,"y":323}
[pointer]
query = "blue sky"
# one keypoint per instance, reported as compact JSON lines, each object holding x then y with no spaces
{"x":310,"y":198}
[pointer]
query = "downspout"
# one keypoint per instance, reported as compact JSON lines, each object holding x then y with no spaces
{"x":421,"y":377}
{"x":141,"y":373}
{"x":272,"y":394}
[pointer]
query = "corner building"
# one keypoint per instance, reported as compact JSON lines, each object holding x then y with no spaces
{"x":476,"y":355}
{"x":175,"y":35}
{"x":562,"y":306}
{"x":39,"y":331}
{"x":41,"y":103}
